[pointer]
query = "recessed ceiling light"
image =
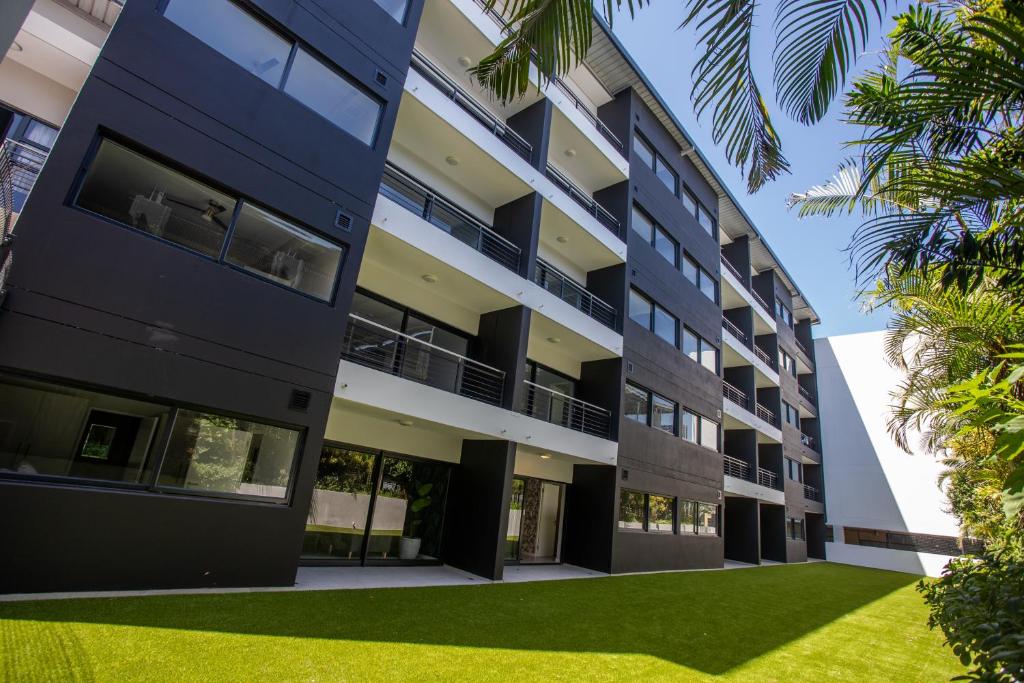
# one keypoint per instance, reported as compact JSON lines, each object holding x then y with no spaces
{"x":430,"y":278}
{"x":465,"y":61}
{"x":405,"y":423}
{"x":545,"y":456}
{"x":554,"y":340}
{"x":570,"y":152}
{"x":452,"y":160}
{"x":562,"y":239}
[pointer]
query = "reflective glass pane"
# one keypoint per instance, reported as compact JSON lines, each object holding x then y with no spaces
{"x":143,"y":194}
{"x":333,"y":96}
{"x":643,"y":152}
{"x":642,"y":225}
{"x":235,"y":34}
{"x":691,"y":345}
{"x":40,"y":134}
{"x":274,"y":249}
{"x":661,"y":519}
{"x":708,"y":356}
{"x":640,"y":308}
{"x":707,"y":519}
{"x":634,"y":405}
{"x":396,"y":8}
{"x":667,"y":176}
{"x":663,"y":414}
{"x":706,"y":221}
{"x":666,"y":326}
{"x":208,"y":452}
{"x":340,"y":506}
{"x":409,"y":511}
{"x":708,"y":433}
{"x":690,"y":270}
{"x":665,"y":245}
{"x":688,"y":426}
{"x":631,"y":510}
{"x":689,"y":203}
{"x":688,"y":517}
{"x":708,"y":286}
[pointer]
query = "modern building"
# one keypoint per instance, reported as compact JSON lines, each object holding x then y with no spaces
{"x":291,"y":289}
{"x":886,"y":507}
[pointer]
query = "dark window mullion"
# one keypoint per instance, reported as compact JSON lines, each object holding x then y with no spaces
{"x":378,"y":474}
{"x":288,"y":65}
{"x":230,"y":232}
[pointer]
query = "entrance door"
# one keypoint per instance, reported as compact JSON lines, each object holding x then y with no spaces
{"x":534,"y":521}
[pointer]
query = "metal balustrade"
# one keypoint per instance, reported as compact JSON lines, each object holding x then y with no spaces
{"x":566,"y":411}
{"x":759,"y":299}
{"x":382,"y":348}
{"x":768,"y":478}
{"x":734,"y":270}
{"x":731,"y":328}
{"x":800,"y":345}
{"x":735,"y":395}
{"x":765,"y":357}
{"x":457,"y":94}
{"x":812,"y":493}
{"x":19,"y":167}
{"x":566,"y":289}
{"x":808,"y":441}
{"x":734,"y":467}
{"x":766,"y":415}
{"x":411,"y":194}
{"x":586,"y":201}
{"x":806,"y":394}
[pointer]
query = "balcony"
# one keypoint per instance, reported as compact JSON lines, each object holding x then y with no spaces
{"x":737,"y":294}
{"x":736,"y":396}
{"x":812,"y":493}
{"x":19,"y":167}
{"x":769,"y":479}
{"x":734,"y":467}
{"x":409,"y":193}
{"x":467,"y":103}
{"x":559,"y":284}
{"x":766,"y":358}
{"x":739,"y":334}
{"x":807,"y":395}
{"x":809,"y":441}
{"x":386,"y":350}
{"x":566,"y":411}
{"x":586,"y":201}
{"x":766,"y":415}
{"x":741,"y":479}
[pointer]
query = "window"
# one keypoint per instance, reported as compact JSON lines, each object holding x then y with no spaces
{"x":794,"y":470}
{"x":644,"y":151}
{"x":697,"y":518}
{"x":700,"y":278}
{"x":783,"y":312}
{"x":704,"y":216}
{"x":396,"y":8}
{"x":632,"y":510}
{"x":208,"y":452}
{"x":661,"y":514}
{"x":33,"y":141}
{"x":706,"y":220}
{"x":699,"y":429}
{"x":795,"y":529}
{"x":689,"y":202}
{"x":240,"y":37}
{"x":787,"y":363}
{"x":652,"y":316}
{"x":646,"y":512}
{"x":699,"y":350}
{"x":663,"y":414}
{"x":142,"y":194}
{"x":791,"y":415}
{"x":655,"y":235}
{"x":635,"y":405}
{"x":656,"y":162}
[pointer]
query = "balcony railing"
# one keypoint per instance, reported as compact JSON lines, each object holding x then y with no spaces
{"x":586,"y":201}
{"x":382,"y":348}
{"x":759,"y":299}
{"x":564,"y":410}
{"x":411,"y":194}
{"x":800,"y":345}
{"x":562,"y":286}
{"x":735,"y":395}
{"x":806,"y":394}
{"x":808,"y":441}
{"x":765,"y":357}
{"x":734,"y":467}
{"x":730,"y":327}
{"x":19,"y":167}
{"x":454,"y":92}
{"x":734,"y":270}
{"x":765,"y":414}
{"x":590,"y":116}
{"x":812,"y":493}
{"x":768,"y":478}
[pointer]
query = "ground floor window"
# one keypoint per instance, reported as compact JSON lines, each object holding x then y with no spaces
{"x":374,"y":506}
{"x":50,"y":430}
{"x":698,"y":518}
{"x":795,"y":529}
{"x":646,"y":512}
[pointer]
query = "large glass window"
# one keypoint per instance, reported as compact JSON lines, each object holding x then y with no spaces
{"x":699,"y":350}
{"x":235,"y":34}
{"x":707,"y":519}
{"x":643,"y":225}
{"x":700,"y":278}
{"x":396,"y":8}
{"x":787,"y":363}
{"x":794,"y":470}
{"x":666,"y":326}
{"x":138,"y":192}
{"x":632,"y":510}
{"x":688,"y":426}
{"x":409,"y":510}
{"x":338,"y":512}
{"x":242,"y":38}
{"x":333,"y":96}
{"x":635,"y":404}
{"x":708,"y":433}
{"x":687,"y":517}
{"x":59,"y":431}
{"x":644,"y":151}
{"x":640,"y":309}
{"x":654,"y":161}
{"x":655,"y":235}
{"x":663,"y":414}
{"x":281,"y":252}
{"x":214,"y":453}
{"x":661,"y":516}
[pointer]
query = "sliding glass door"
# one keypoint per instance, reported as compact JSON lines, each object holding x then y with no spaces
{"x":534,"y":521}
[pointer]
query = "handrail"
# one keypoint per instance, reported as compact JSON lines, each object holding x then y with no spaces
{"x":566,"y":289}
{"x":732,"y":329}
{"x":589,"y":115}
{"x":405,"y":190}
{"x":760,"y":300}
{"x":734,"y":467}
{"x":564,"y":410}
{"x":812,"y":493}
{"x":457,"y":94}
{"x":735,"y":395}
{"x":20,"y":165}
{"x":800,"y":345}
{"x":603,"y":216}
{"x":806,"y":394}
{"x":765,"y":414}
{"x":768,"y":478}
{"x":734,"y":270}
{"x":765,"y":357}
{"x":382,"y":348}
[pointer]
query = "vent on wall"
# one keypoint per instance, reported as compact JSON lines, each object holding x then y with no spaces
{"x":629,"y":367}
{"x":299,"y":400}
{"x":382,"y":78}
{"x":343,"y":220}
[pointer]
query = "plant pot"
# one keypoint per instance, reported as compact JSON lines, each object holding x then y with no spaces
{"x":409,"y":548}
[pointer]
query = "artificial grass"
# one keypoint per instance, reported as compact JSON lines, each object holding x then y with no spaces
{"x":812,"y":622}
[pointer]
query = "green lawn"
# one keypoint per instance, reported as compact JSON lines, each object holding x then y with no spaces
{"x":810,"y":622}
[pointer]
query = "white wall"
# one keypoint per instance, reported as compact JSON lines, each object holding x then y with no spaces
{"x":869,"y":481}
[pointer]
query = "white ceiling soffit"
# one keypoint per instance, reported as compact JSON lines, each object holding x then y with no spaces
{"x":103,"y":11}
{"x":614,"y":68}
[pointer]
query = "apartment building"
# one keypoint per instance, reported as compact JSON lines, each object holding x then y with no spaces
{"x":291,"y":289}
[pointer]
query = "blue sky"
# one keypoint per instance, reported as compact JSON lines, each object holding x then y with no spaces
{"x":811,"y":249}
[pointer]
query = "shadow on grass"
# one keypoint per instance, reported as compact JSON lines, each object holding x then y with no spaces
{"x":709,"y":621}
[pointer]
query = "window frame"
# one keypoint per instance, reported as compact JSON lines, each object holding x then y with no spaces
{"x":699,"y":421}
{"x":221,"y":259}
{"x":646,"y":521}
{"x":652,"y":318}
{"x":702,"y":344}
{"x":656,"y":230}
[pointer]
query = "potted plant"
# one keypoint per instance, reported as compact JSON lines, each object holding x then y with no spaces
{"x":409,"y":546}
